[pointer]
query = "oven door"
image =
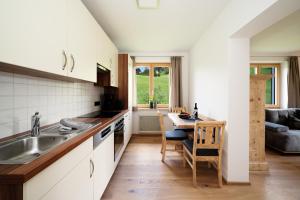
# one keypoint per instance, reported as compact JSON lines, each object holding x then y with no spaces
{"x":119,"y":137}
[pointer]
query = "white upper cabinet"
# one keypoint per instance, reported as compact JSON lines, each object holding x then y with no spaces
{"x":33,"y":34}
{"x":81,"y":41}
{"x":55,"y":36}
{"x":113,"y":61}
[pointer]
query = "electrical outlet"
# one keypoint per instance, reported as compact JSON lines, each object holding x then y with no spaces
{"x":97,"y":103}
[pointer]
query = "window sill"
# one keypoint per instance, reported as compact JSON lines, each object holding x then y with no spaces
{"x":150,"y":109}
{"x":272,"y":106}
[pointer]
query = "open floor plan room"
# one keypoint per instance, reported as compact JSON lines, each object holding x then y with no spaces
{"x":149,"y":99}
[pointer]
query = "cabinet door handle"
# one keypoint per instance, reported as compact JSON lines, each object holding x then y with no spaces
{"x":92,"y":168}
{"x":66,"y":60}
{"x":73,"y":63}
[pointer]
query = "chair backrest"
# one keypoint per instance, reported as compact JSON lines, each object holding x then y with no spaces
{"x":178,"y":109}
{"x":209,"y":135}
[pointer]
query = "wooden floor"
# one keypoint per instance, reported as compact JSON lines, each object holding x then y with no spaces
{"x":141,"y":175}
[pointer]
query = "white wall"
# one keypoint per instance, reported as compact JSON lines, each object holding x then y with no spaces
{"x":219,"y":80}
{"x":219,"y":73}
{"x":21,"y":96}
{"x":150,"y":59}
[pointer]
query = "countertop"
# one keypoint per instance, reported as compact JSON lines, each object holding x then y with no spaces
{"x":19,"y":174}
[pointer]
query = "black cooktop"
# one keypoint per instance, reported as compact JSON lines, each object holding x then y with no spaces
{"x":101,"y":114}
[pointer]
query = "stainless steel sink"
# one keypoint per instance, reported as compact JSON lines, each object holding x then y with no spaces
{"x":26,"y":149}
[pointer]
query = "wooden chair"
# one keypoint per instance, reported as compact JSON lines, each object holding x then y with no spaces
{"x":207,"y":146}
{"x":178,"y":109}
{"x":170,"y":137}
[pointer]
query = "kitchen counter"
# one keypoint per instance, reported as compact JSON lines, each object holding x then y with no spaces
{"x":19,"y":174}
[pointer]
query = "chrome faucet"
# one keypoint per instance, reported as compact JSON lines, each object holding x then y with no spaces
{"x":35,"y":125}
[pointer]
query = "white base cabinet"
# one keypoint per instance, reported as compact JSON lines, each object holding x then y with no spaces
{"x":128,"y":127}
{"x":70,"y":177}
{"x":77,"y":185}
{"x":83,"y":173}
{"x":104,"y":165}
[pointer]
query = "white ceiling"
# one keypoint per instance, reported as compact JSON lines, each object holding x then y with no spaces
{"x":282,"y":37}
{"x":174,"y":26}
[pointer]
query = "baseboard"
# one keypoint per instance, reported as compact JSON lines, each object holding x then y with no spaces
{"x":146,"y":134}
{"x":236,"y":183}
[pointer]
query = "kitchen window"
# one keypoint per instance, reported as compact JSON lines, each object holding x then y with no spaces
{"x":152,"y":83}
{"x":272,"y":85}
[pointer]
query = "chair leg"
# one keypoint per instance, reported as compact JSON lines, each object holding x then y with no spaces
{"x":164,"y":151}
{"x":220,"y":177}
{"x":161,"y":149}
{"x":209,"y":165}
{"x":184,"y":158}
{"x":194,"y":173}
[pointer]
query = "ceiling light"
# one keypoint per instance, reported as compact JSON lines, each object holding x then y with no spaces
{"x":147,"y":4}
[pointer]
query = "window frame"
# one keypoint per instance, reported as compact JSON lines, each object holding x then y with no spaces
{"x":277,"y":66}
{"x":151,"y":80}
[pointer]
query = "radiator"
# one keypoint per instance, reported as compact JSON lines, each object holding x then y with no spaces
{"x":149,"y":124}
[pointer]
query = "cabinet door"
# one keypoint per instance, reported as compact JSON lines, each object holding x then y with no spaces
{"x":76,"y":185}
{"x":104,"y":165}
{"x":114,"y":65}
{"x":82,"y":34}
{"x":127,"y":128}
{"x":130,"y":124}
{"x":130,"y":84}
{"x":33,"y":34}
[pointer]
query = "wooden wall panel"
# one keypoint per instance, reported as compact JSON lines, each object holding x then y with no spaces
{"x":257,"y":158}
{"x":123,"y":79}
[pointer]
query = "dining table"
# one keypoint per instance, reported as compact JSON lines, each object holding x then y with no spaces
{"x":186,"y":123}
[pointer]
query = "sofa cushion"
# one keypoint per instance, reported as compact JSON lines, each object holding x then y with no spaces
{"x":297,"y":113}
{"x":200,"y":152}
{"x":279,"y":116}
{"x":187,"y":130}
{"x":294,"y":122}
{"x":287,"y":142}
{"x":276,"y":127}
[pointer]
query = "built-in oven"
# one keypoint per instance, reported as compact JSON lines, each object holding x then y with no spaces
{"x":119,"y":136}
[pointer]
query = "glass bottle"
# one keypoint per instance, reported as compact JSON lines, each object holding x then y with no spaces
{"x":195,"y":113}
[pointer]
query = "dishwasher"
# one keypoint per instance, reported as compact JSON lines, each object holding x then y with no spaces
{"x":101,"y":136}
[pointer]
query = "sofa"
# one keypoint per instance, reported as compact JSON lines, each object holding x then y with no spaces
{"x":282,"y":130}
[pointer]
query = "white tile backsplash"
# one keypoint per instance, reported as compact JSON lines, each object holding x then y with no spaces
{"x":6,"y":89}
{"x":6,"y":77}
{"x":21,"y":96}
{"x":6,"y":129}
{"x":6,"y":102}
